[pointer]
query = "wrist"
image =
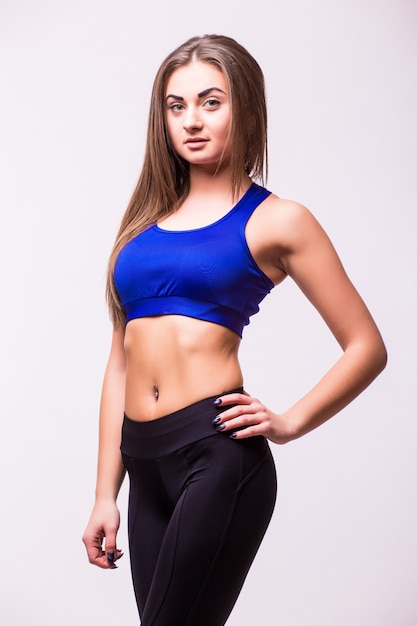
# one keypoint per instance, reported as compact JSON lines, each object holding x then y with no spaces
{"x":292,"y":426}
{"x":105,"y":498}
{"x":108,"y":484}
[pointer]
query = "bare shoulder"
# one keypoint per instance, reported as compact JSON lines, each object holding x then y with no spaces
{"x":279,"y":231}
{"x":288,"y":222}
{"x":288,"y":213}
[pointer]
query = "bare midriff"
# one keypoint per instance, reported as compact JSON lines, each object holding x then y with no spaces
{"x":174,"y":360}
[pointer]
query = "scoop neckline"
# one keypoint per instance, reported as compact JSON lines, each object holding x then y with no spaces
{"x":221,"y":219}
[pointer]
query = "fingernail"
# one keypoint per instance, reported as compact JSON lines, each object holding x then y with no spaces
{"x":110,"y":558}
{"x":220,"y":427}
{"x":217,"y":402}
{"x":232,"y":436}
{"x":217,"y":419}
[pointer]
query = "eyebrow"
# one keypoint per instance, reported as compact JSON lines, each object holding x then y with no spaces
{"x":203,"y":93}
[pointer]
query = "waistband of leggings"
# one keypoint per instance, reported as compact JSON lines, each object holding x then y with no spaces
{"x":164,"y":435}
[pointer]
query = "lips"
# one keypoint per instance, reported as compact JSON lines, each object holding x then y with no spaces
{"x":195,"y":141}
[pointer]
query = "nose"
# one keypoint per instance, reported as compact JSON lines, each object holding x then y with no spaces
{"x":192,"y":120}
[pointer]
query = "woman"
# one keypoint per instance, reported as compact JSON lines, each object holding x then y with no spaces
{"x":200,"y":245}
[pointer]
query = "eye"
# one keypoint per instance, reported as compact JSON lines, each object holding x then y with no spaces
{"x":212,"y":103}
{"x":176,"y":107}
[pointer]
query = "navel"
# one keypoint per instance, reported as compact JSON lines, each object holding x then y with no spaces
{"x":155,"y":391}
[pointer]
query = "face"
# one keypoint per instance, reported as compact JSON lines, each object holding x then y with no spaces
{"x":198,"y":114}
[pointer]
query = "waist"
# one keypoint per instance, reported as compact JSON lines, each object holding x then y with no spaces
{"x":147,"y":401}
{"x":156,"y":438}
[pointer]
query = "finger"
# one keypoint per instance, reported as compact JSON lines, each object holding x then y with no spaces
{"x":93,"y":546}
{"x":96,"y":555}
{"x":103,"y":558}
{"x":111,"y":547}
{"x":246,"y":433}
{"x":232,"y":398}
{"x":243,"y":412}
{"x":112,"y":557}
{"x":239,"y":422}
{"x":119,"y":554}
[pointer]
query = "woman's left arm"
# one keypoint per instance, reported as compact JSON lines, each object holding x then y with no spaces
{"x":307,"y":255}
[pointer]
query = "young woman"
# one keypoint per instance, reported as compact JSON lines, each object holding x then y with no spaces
{"x":200,"y":245}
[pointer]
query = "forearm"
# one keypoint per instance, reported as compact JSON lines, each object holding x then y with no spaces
{"x":110,"y":471}
{"x":349,"y":376}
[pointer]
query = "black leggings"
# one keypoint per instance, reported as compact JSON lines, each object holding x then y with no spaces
{"x":199,"y":506}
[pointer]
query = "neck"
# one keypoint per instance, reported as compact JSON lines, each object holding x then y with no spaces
{"x":209,"y":182}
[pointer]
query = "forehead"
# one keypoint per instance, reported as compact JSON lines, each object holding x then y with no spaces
{"x":195,"y":77}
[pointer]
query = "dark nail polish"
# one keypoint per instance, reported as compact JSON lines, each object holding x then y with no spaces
{"x":110,"y":558}
{"x":232,"y":436}
{"x":220,"y":427}
{"x":217,"y":419}
{"x":217,"y":402}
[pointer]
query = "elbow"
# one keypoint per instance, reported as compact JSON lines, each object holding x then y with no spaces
{"x":378,"y":357}
{"x":382,"y":358}
{"x":371,"y":356}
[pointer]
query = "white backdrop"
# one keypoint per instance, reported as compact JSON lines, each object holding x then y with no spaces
{"x":75,"y":83}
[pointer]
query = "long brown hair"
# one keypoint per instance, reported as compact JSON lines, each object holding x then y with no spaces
{"x":164,"y":180}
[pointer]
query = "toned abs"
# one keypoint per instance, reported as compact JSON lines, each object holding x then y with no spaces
{"x":175,"y":360}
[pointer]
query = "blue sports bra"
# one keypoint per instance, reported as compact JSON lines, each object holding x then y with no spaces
{"x":207,"y":273}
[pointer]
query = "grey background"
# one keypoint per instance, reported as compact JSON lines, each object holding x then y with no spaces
{"x":75,"y":81}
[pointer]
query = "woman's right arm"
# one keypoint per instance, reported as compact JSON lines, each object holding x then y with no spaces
{"x":104,"y":521}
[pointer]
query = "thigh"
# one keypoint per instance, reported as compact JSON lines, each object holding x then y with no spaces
{"x":225,"y":492}
{"x":149,"y":513}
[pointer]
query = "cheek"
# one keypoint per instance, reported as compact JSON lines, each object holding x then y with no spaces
{"x":223,"y":135}
{"x":223,"y":126}
{"x":171,"y":131}
{"x":174,"y":125}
